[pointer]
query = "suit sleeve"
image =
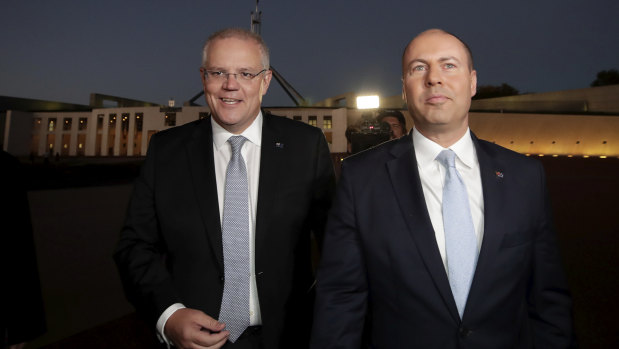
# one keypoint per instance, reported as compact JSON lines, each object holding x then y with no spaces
{"x":341,"y":299}
{"x":140,"y":253}
{"x":323,"y":189}
{"x":548,"y":297}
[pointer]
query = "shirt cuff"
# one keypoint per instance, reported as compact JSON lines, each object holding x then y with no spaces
{"x":162,"y":321}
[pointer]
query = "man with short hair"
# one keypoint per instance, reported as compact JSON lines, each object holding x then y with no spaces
{"x":215,"y":250}
{"x":440,"y":239}
{"x":395,"y":120}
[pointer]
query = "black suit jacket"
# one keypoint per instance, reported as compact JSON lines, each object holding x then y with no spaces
{"x":170,"y":249}
{"x":381,"y":264}
{"x":22,"y":315}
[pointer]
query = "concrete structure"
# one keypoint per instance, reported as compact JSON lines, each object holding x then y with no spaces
{"x":127,"y":131}
{"x":582,"y":122}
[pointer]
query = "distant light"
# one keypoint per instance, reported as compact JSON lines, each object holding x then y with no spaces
{"x":171,"y":103}
{"x":540,"y":155}
{"x":527,"y":154}
{"x":585,"y":156}
{"x":555,"y":155}
{"x":569,"y":156}
{"x":367,"y":102}
{"x":602,"y":156}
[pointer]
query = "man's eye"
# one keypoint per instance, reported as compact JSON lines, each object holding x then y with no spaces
{"x":247,"y":75}
{"x":449,"y":65}
{"x":216,"y":73}
{"x":418,"y":68}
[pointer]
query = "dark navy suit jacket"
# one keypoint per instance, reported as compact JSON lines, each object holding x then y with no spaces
{"x":382,"y":281}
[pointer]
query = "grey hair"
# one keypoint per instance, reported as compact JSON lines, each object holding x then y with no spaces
{"x":238,"y":33}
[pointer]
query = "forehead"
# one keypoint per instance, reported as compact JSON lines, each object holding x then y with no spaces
{"x":390,"y":119}
{"x":434,"y":46}
{"x":233,"y":51}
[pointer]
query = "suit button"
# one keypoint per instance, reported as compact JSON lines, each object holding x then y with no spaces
{"x":221,"y":278}
{"x":464,"y":332}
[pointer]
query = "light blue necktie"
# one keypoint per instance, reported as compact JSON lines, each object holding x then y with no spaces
{"x":460,"y":239}
{"x":235,"y":236}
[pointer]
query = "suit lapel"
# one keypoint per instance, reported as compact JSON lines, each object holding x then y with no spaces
{"x":202,"y":166}
{"x":271,"y":159}
{"x":409,"y":194}
{"x":493,"y":193}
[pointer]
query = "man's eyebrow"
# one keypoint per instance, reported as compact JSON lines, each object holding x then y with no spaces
{"x":448,"y":58}
{"x":416,"y":60}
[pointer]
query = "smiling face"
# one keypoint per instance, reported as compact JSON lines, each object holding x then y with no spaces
{"x":235,"y":102}
{"x":437,"y":85}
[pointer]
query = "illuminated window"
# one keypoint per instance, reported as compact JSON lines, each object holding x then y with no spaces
{"x":51,"y":125}
{"x":312,"y":120}
{"x":170,"y":119}
{"x":139,"y":120}
{"x":327,"y":122}
{"x":83,"y":124}
{"x":66,"y":124}
{"x":124,"y":123}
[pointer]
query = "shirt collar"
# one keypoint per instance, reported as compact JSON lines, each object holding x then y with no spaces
{"x":253,"y":133}
{"x":426,"y":150}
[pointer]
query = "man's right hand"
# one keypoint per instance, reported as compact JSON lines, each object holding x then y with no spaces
{"x":190,"y":328}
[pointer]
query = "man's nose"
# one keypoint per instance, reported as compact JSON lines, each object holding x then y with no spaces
{"x":433,"y":78}
{"x":231,"y":82}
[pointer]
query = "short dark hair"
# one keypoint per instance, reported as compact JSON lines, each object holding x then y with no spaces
{"x":391,"y":112}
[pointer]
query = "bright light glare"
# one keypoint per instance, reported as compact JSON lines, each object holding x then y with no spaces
{"x":367,"y":102}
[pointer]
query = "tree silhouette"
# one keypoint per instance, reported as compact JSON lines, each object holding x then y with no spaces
{"x":491,"y":91}
{"x":606,"y":77}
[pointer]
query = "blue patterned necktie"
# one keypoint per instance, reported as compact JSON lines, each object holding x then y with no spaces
{"x":235,"y":236}
{"x":460,"y":239}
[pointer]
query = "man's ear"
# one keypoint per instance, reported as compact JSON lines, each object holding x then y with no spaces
{"x":473,"y":82}
{"x":266,"y":81}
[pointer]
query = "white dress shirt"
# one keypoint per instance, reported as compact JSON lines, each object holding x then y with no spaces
{"x":432,"y":175}
{"x":222,"y":152}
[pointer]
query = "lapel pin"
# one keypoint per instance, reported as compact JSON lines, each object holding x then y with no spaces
{"x":498,"y":174}
{"x":279,"y":145}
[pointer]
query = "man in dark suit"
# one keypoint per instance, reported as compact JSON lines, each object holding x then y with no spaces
{"x":396,"y":271}
{"x":22,"y":314}
{"x":173,"y":250}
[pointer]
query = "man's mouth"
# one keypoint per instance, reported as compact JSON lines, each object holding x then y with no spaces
{"x":230,"y":100}
{"x":436,"y":99}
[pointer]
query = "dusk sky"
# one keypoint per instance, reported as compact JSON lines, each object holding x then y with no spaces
{"x":150,"y":49}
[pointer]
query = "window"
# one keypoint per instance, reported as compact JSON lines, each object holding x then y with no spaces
{"x":51,"y":125}
{"x":66,"y":124}
{"x":124,"y":123}
{"x":170,"y":119}
{"x":312,"y":120}
{"x":83,"y":124}
{"x":100,"y":122}
{"x":36,"y":125}
{"x":137,"y":135}
{"x":139,"y":121}
{"x":297,"y":117}
{"x":327,"y":122}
